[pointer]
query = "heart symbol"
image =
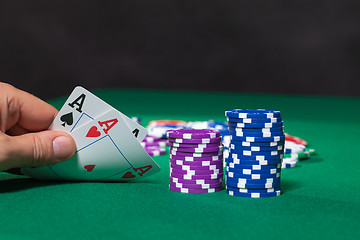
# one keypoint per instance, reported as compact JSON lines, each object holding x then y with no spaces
{"x":93,"y":132}
{"x":128,"y":175}
{"x":89,"y":168}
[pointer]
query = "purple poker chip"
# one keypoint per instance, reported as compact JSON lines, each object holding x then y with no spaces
{"x":198,"y":168}
{"x":199,"y":155}
{"x":193,"y":159}
{"x":194,"y":177}
{"x":201,"y":186}
{"x":194,"y":190}
{"x":193,"y":133}
{"x":195,"y":141}
{"x":195,"y":172}
{"x":198,"y":150}
{"x":155,"y":151}
{"x":218,"y":163}
{"x":197,"y":181}
{"x":199,"y":145}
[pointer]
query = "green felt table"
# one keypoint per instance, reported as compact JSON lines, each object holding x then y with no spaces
{"x":321,"y":195}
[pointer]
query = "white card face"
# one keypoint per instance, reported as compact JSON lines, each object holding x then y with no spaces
{"x":82,"y":107}
{"x":106,"y":151}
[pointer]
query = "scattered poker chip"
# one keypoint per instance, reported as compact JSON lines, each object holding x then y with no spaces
{"x":196,"y":163}
{"x":252,"y":113}
{"x":258,"y":139}
{"x":193,"y":133}
{"x":288,"y":165}
{"x":237,"y":133}
{"x":187,"y":158}
{"x":150,"y":139}
{"x":136,"y":119}
{"x":254,"y":120}
{"x":254,"y":167}
{"x":291,"y":147}
{"x":278,"y":126}
{"x":221,"y":126}
{"x":167,"y":123}
{"x":192,"y":141}
{"x":196,"y":168}
{"x":160,"y":131}
{"x":200,"y":145}
{"x":186,"y":154}
{"x":155,"y":151}
{"x":194,"y":177}
{"x":195,"y":172}
{"x":294,"y":139}
{"x":256,"y":148}
{"x":254,"y":194}
{"x":201,"y":186}
{"x":198,"y":150}
{"x":155,"y":144}
{"x":245,"y":190}
{"x":197,"y":181}
{"x":251,"y":176}
{"x":250,"y":172}
{"x":194,"y":190}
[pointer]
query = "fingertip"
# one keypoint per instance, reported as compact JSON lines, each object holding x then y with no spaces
{"x":63,"y":147}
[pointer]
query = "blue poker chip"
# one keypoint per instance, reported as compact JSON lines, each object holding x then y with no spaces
{"x":256,"y":153}
{"x":253,"y":186}
{"x":252,"y":176}
{"x":250,"y":171}
{"x":234,"y":132}
{"x":235,"y":180}
{"x":254,"y":194}
{"x":245,"y":190}
{"x":254,"y":167}
{"x":256,"y":130}
{"x":256,"y":148}
{"x":262,"y":162}
{"x":252,"y":113}
{"x":241,"y":158}
{"x":256,"y":125}
{"x":254,"y":120}
{"x":258,"y":139}
{"x":257,"y":144}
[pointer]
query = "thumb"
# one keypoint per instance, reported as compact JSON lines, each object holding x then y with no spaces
{"x":37,"y":149}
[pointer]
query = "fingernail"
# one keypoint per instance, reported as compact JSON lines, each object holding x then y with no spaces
{"x":63,"y":148}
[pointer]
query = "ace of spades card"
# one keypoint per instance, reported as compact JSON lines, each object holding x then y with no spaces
{"x":81,"y":107}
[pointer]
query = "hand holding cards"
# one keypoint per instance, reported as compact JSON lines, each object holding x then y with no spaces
{"x":107,"y":142}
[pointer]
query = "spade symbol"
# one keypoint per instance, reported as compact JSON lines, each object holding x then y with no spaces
{"x":67,"y":119}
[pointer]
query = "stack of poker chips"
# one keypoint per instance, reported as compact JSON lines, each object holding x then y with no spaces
{"x":255,"y":154}
{"x":195,"y":160}
{"x":158,"y":128}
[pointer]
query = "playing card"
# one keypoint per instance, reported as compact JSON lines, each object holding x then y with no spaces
{"x":82,"y":107}
{"x":106,"y":151}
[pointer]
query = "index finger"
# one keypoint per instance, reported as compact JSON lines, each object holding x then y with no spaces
{"x":31,"y":113}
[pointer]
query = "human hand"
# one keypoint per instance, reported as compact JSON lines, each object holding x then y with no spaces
{"x":24,"y":138}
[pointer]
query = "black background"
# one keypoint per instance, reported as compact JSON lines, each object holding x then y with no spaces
{"x":301,"y":47}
